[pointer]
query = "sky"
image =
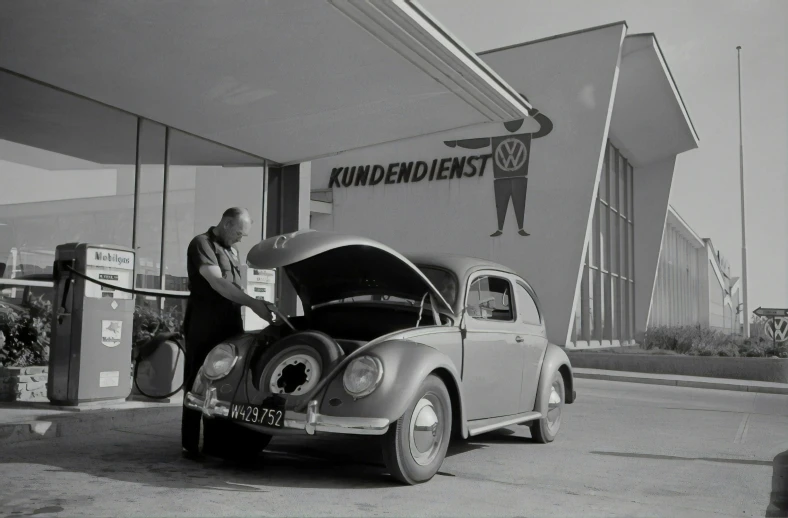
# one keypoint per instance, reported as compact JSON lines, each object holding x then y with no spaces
{"x":699,"y":40}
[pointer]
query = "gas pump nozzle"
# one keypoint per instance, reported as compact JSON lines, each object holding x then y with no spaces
{"x":61,"y":271}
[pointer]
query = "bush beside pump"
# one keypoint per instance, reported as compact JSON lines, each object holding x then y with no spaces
{"x":90,"y":344}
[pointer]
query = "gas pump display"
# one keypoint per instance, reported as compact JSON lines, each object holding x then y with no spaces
{"x":260,"y":284}
{"x":90,"y":349}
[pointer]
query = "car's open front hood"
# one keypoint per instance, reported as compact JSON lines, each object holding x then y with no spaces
{"x":325,"y":266}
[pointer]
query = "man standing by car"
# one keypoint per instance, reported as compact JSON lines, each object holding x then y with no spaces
{"x":213,"y":312}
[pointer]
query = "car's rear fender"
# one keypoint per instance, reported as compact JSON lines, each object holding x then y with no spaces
{"x":555,"y":359}
{"x":405,"y":365}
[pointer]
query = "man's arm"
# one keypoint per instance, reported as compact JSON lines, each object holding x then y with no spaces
{"x":202,"y":255}
{"x":545,"y":124}
{"x":225,"y":288}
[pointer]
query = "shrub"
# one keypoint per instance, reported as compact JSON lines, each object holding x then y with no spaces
{"x":25,"y":330}
{"x":148,"y":322}
{"x":25,"y":333}
{"x":703,"y":341}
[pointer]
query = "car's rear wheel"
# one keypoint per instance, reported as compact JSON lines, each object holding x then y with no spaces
{"x":546,"y":429}
{"x":415,"y":445}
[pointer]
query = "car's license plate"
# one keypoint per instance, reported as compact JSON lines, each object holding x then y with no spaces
{"x":270,"y":413}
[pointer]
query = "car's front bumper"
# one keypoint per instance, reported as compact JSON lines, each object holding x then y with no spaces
{"x":310,"y":422}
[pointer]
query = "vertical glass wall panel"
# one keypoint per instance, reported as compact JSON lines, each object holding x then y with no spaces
{"x":604,"y":178}
{"x":585,"y":297}
{"x":603,"y":238}
{"x":615,"y":239}
{"x":204,"y":180}
{"x":64,"y":162}
{"x":615,"y":167}
{"x":150,"y":204}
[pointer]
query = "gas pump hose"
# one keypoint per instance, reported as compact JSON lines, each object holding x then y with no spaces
{"x":158,"y":339}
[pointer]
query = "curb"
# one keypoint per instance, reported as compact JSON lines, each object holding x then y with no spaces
{"x":82,"y":423}
{"x":686,"y":381}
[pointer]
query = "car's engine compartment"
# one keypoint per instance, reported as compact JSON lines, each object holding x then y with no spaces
{"x":352,"y":324}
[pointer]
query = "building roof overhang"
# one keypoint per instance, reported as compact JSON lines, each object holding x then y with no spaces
{"x":286,"y":81}
{"x":675,"y":220}
{"x":650,"y":122}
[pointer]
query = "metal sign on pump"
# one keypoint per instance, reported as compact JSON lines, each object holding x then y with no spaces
{"x":261,"y":285}
{"x":92,"y":325}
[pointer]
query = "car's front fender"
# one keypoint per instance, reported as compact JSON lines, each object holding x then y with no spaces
{"x":244,"y":344}
{"x":405,"y":365}
{"x":555,"y":359}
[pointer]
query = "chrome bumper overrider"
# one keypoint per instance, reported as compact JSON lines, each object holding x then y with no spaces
{"x":310,"y":422}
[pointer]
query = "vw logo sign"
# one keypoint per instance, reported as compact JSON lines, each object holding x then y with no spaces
{"x":778,"y":333}
{"x":511,"y":154}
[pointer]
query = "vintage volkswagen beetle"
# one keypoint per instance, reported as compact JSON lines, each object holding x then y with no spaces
{"x":415,"y":351}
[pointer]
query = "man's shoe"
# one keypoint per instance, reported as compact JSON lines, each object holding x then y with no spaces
{"x":496,"y":233}
{"x":523,"y":233}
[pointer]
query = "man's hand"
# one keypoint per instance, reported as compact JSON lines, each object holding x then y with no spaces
{"x":261,"y":309}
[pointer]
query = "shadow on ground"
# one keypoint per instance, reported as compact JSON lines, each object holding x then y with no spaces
{"x":155,"y":458}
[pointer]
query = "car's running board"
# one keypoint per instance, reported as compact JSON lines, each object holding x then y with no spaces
{"x":488,"y":425}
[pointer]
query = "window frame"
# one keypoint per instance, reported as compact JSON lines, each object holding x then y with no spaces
{"x":496,"y":275}
{"x":534,"y":299}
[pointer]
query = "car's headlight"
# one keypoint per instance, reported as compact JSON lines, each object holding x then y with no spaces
{"x":362,"y":376}
{"x":220,"y":361}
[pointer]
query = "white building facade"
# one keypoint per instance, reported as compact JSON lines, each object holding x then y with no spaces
{"x":694,"y":285}
{"x":583,"y":220}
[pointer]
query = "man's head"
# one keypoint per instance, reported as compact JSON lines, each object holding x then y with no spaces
{"x":234,"y":226}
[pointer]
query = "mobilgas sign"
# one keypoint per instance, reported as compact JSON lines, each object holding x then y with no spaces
{"x":409,"y":172}
{"x":110,"y":258}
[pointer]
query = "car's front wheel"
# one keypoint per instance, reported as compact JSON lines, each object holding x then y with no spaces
{"x":416,"y":444}
{"x":546,"y":429}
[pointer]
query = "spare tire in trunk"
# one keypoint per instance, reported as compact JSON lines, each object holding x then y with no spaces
{"x":294,"y":365}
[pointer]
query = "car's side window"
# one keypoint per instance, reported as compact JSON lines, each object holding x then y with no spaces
{"x":529,"y":313}
{"x":490,"y":298}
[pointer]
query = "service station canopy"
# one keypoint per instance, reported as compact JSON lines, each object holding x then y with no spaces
{"x":287,"y":81}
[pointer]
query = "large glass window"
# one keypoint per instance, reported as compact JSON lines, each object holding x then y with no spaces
{"x":71,"y":170}
{"x":64,"y":163}
{"x":606,"y":310}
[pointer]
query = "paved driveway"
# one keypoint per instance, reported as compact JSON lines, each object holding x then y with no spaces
{"x":625,"y":449}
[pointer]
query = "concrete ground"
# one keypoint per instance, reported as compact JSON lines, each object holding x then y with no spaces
{"x":625,"y":449}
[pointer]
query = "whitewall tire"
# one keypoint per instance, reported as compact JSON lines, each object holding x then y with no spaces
{"x":415,"y":445}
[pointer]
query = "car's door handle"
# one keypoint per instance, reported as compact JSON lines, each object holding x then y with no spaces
{"x":520,"y":339}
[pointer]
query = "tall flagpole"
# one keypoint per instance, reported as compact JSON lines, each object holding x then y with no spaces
{"x":744,"y":283}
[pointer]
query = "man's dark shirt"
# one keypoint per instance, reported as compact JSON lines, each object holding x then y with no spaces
{"x":209,"y":314}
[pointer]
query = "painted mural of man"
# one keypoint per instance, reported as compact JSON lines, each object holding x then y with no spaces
{"x":511,"y":155}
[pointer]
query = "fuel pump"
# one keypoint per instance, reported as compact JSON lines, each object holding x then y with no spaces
{"x":90,"y":344}
{"x":261,"y":285}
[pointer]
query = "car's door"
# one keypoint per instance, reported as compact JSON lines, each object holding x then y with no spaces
{"x":535,"y":335}
{"x":493,"y":347}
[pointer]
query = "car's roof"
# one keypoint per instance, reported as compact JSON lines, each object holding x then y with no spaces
{"x":461,"y":265}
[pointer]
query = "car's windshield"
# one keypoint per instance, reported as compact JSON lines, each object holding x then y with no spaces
{"x":443,"y":280}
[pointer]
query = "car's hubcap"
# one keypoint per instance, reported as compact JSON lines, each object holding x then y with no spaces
{"x":297,"y":374}
{"x":425,"y":431}
{"x":554,"y":405}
